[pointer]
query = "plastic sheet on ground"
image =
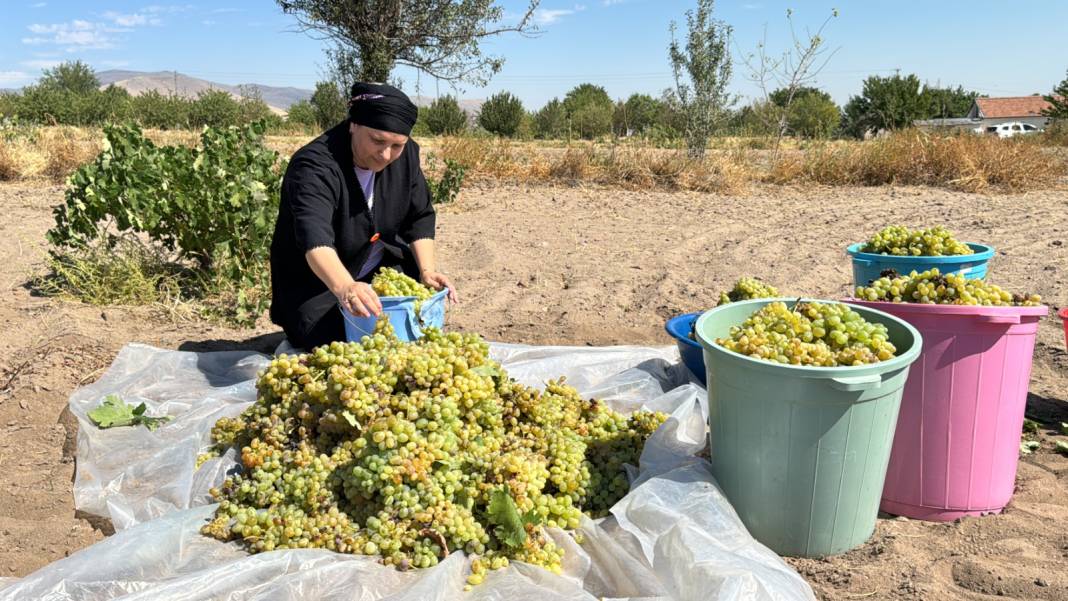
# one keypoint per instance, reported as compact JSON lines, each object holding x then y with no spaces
{"x":674,"y":536}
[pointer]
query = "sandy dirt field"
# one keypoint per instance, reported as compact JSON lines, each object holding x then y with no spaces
{"x":586,"y":266}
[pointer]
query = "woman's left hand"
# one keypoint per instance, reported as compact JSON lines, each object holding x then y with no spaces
{"x":437,"y":281}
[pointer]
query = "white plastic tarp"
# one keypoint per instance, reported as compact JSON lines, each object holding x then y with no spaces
{"x":674,"y":536}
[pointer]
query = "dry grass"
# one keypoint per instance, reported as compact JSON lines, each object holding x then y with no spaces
{"x":65,"y":149}
{"x":624,"y":165}
{"x":9,"y":167}
{"x":963,"y":162}
{"x":731,"y":166}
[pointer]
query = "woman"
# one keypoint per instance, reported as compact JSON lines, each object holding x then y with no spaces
{"x":354,"y":200}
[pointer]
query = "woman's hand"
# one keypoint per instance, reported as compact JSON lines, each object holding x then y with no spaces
{"x":359,"y":299}
{"x":437,"y":281}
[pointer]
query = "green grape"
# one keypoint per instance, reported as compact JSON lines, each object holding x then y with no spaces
{"x":817,"y":334}
{"x":395,"y":450}
{"x":899,"y":240}
{"x":745,"y":288}
{"x":748,"y":288}
{"x":390,"y":282}
{"x":931,"y":287}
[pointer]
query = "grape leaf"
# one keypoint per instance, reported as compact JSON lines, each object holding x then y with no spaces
{"x":114,"y":413}
{"x":503,"y":513}
{"x":487,"y":370}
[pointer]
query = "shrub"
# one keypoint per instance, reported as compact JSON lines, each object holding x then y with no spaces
{"x":217,"y":212}
{"x":550,"y":122}
{"x":502,"y":114}
{"x":444,"y":117}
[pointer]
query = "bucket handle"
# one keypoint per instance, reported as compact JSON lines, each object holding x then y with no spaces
{"x":855,"y":383}
{"x":349,"y":318}
{"x":999,"y":319}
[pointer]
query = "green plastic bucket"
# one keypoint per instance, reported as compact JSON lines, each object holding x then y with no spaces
{"x":801,"y":452}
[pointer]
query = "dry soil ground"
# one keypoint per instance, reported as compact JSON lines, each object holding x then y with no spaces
{"x":598,"y":267}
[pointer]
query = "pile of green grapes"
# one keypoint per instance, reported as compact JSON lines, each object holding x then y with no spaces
{"x":390,"y":282}
{"x":411,"y":451}
{"x":809,"y":333}
{"x":748,"y":288}
{"x":745,"y":288}
{"x":899,"y":240}
{"x":931,"y":287}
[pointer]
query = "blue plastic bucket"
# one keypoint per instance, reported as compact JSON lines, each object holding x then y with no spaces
{"x":693,"y":355}
{"x":401,"y":313}
{"x":868,"y":266}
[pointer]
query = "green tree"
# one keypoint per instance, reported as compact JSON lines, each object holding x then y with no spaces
{"x":813,"y":116}
{"x":590,"y":110}
{"x":152,"y":109}
{"x":214,"y":108}
{"x":886,"y":103}
{"x":302,"y":113}
{"x":1058,"y":100}
{"x":502,"y":114}
{"x":702,"y":68}
{"x":444,"y":117}
{"x":945,"y":103}
{"x":550,"y":122}
{"x":441,"y":38}
{"x":637,"y":114}
{"x":330,"y":106}
{"x":253,"y":108}
{"x":72,"y":76}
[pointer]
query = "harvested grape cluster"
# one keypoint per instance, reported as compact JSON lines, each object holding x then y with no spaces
{"x":931,"y":287}
{"x":899,"y":240}
{"x":390,"y":282}
{"x":809,"y":333}
{"x":748,"y":288}
{"x":411,"y":451}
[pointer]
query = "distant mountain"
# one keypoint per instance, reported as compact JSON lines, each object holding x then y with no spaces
{"x":165,"y":82}
{"x":471,"y":106}
{"x":278,"y":98}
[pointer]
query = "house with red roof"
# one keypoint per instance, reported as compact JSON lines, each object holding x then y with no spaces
{"x":988,"y":114}
{"x":991,"y":112}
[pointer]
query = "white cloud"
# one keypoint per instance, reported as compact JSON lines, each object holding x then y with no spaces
{"x":13,"y":77}
{"x":217,"y":11}
{"x":548,"y":16}
{"x":752,"y":6}
{"x":115,"y":64}
{"x":132,"y":20}
{"x":73,"y":36}
{"x":41,"y":63}
{"x":209,"y":22}
{"x":171,"y":8}
{"x":612,"y":2}
{"x":79,"y":34}
{"x":39,"y":5}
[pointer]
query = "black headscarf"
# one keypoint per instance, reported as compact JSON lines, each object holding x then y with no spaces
{"x":381,"y":106}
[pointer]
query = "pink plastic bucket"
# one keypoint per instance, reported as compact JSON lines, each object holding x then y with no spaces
{"x":958,"y":433}
{"x":1063,"y":313}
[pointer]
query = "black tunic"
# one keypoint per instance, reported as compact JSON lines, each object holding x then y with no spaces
{"x":322,"y":204}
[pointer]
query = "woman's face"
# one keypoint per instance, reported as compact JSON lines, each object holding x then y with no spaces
{"x":373,"y":148}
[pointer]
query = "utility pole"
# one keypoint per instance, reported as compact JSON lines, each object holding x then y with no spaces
{"x":175,"y":92}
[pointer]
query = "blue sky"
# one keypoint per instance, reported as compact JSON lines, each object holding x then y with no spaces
{"x":993,"y":47}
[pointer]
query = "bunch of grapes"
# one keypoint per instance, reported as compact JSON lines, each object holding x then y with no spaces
{"x":745,"y":288}
{"x":899,"y":240}
{"x":818,"y":334}
{"x":390,"y":282}
{"x":411,"y":451}
{"x":931,"y":287}
{"x":748,"y":288}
